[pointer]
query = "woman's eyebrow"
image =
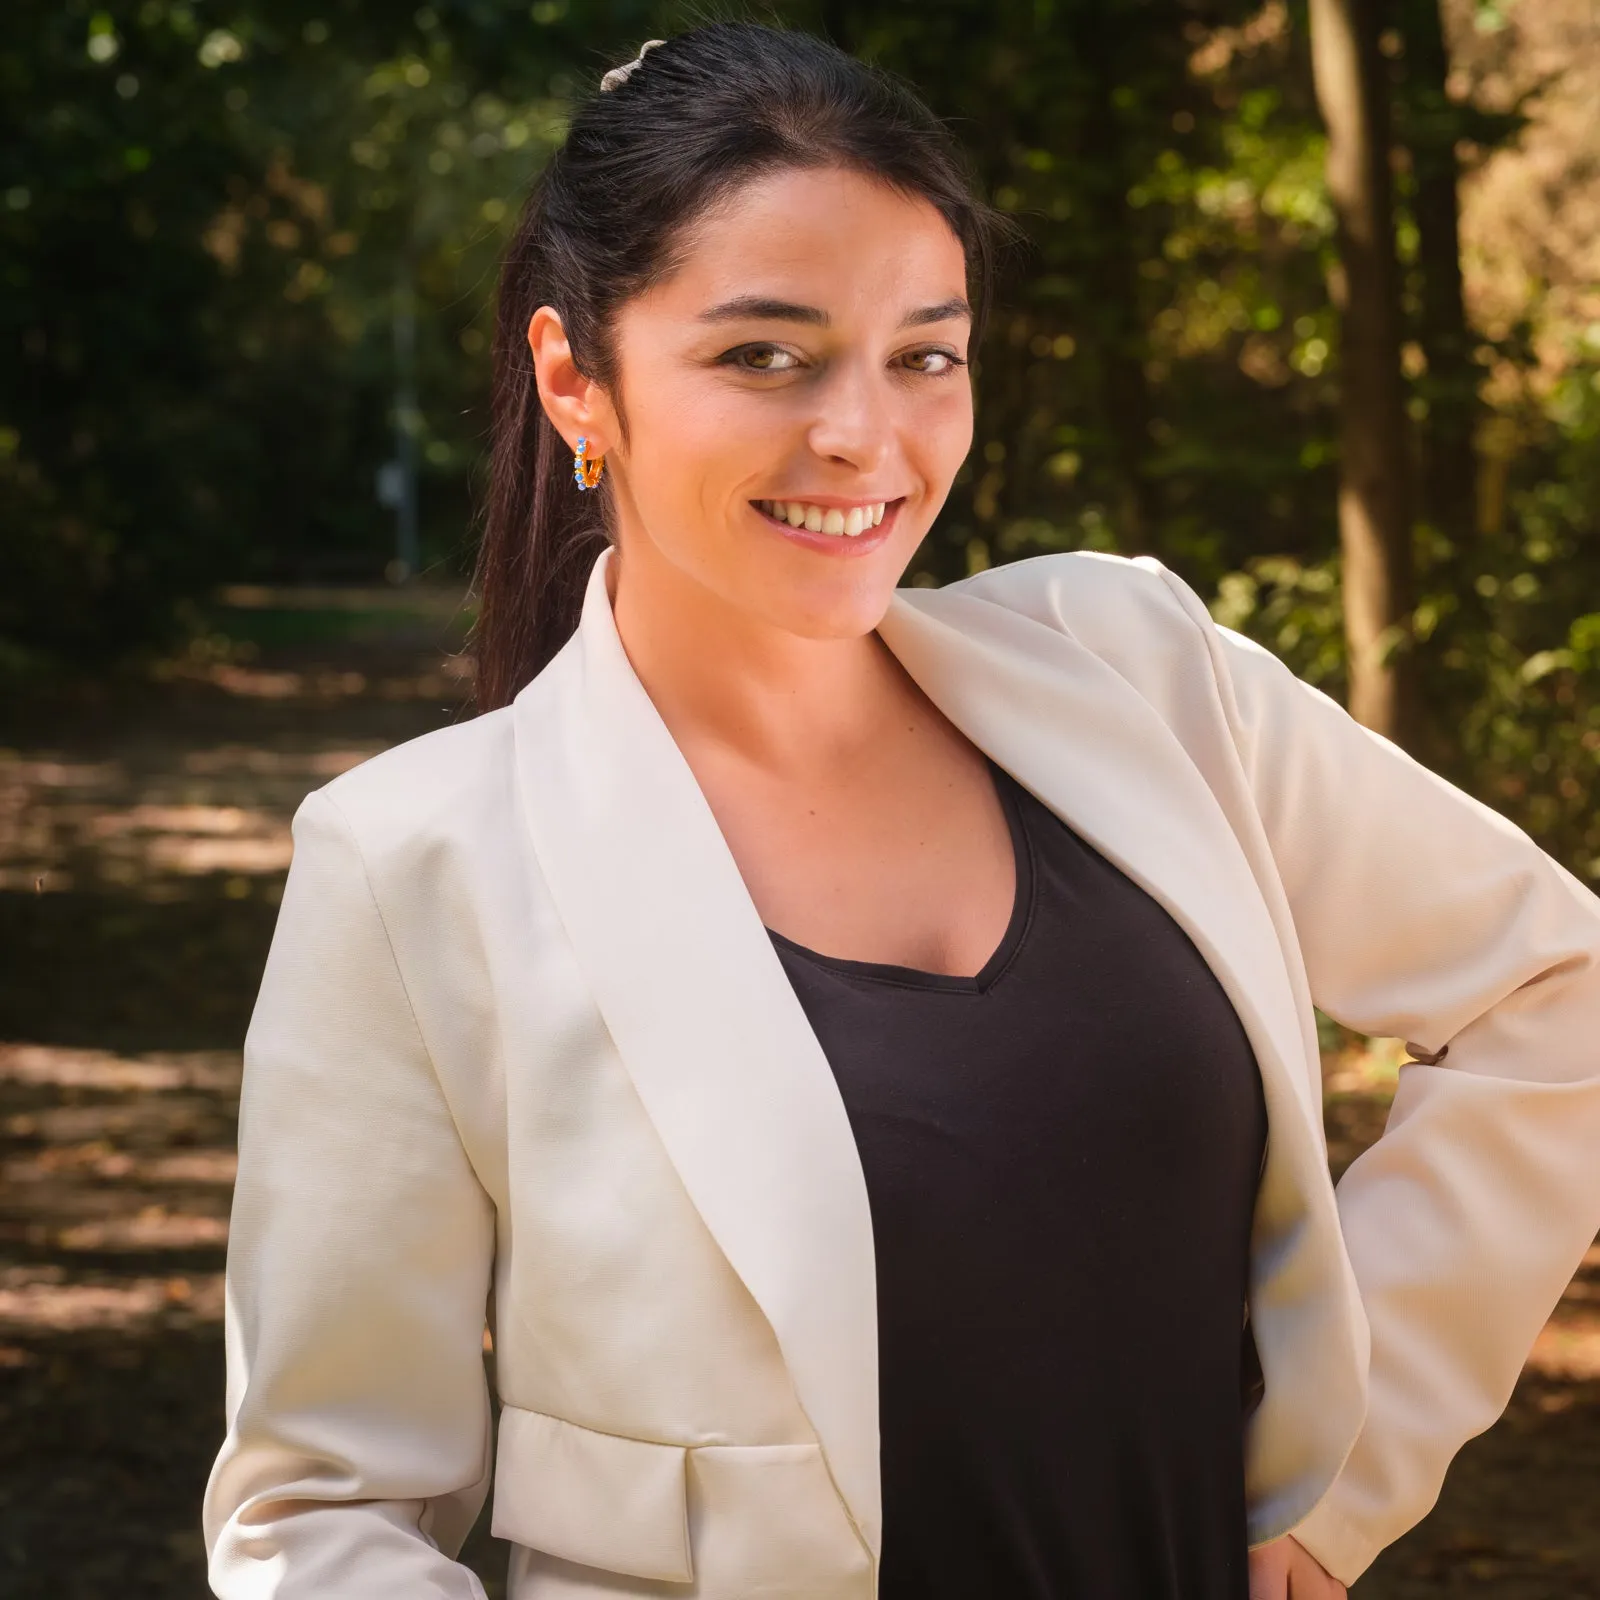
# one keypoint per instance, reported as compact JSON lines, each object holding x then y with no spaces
{"x":945,"y":311}
{"x":760,"y":308}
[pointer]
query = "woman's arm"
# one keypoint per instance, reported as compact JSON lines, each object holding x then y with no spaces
{"x":357,"y":1453}
{"x":1424,"y":915}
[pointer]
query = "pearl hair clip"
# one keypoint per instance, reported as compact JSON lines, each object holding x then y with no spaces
{"x":618,"y":76}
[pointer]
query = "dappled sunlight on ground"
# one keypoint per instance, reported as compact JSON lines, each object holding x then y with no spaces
{"x":109,"y":1157}
{"x":39,"y":1300}
{"x":144,"y":834}
{"x":1569,"y":1347}
{"x":62,"y":827}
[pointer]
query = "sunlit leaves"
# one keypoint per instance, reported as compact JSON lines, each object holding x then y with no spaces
{"x":198,"y":271}
{"x":207,"y":213}
{"x":219,"y":48}
{"x":103,"y":44}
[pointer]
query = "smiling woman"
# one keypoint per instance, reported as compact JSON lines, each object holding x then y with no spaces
{"x":863,"y":1037}
{"x":837,"y":392}
{"x":748,"y":238}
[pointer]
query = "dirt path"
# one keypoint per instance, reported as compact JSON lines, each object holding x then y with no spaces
{"x":143,"y":840}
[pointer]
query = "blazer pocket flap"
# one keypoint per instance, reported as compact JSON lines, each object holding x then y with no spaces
{"x":598,"y":1499}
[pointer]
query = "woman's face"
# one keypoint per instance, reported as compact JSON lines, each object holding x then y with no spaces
{"x":797,"y":401}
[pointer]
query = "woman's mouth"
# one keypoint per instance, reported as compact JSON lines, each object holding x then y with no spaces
{"x":835,"y":521}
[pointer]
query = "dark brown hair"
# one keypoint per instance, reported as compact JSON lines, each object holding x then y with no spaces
{"x":700,"y":114}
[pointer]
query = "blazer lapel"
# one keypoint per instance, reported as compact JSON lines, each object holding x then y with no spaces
{"x":1101,"y":756}
{"x":1077,"y":734}
{"x":701,"y":1012}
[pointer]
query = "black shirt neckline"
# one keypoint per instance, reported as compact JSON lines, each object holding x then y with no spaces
{"x":1004,"y":953}
{"x":1061,"y":1173}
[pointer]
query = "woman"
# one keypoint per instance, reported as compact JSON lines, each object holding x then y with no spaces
{"x":859,"y":1042}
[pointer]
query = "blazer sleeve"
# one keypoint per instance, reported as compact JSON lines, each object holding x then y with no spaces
{"x":357,"y":1449}
{"x":1425,"y":916}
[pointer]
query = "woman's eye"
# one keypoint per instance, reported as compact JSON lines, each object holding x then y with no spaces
{"x":934,"y":363}
{"x":761,"y":358}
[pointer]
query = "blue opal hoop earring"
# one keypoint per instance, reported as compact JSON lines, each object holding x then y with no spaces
{"x":586,"y":469}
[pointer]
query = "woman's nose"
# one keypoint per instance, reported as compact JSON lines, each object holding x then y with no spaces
{"x":854,"y":425}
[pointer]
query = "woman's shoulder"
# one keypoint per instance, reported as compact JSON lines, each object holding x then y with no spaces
{"x":1082,"y":585}
{"x":1133,"y":611}
{"x":452,"y":783}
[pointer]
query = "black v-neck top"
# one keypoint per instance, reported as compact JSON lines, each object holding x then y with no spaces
{"x":1061,"y":1155}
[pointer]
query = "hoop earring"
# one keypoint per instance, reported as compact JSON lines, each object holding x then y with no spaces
{"x":586,"y":469}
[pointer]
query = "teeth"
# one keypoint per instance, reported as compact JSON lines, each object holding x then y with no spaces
{"x":849,"y":524}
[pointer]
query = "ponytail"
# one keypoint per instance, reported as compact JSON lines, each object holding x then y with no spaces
{"x":540,"y":535}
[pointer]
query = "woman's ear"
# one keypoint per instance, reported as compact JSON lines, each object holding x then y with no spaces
{"x":578,"y":406}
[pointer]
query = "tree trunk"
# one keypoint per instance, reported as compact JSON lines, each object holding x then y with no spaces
{"x":1374,"y":473}
{"x":1449,"y":460}
{"x":1116,"y":345}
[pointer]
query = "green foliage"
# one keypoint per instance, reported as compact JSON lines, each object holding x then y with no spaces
{"x":207,"y":216}
{"x":210,"y":210}
{"x":1514,"y":666}
{"x":1507,"y":628}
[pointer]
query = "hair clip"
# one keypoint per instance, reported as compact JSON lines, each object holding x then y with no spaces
{"x":618,"y":76}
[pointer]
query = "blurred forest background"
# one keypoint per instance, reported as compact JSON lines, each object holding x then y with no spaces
{"x":249,"y":245}
{"x":1310,"y":309}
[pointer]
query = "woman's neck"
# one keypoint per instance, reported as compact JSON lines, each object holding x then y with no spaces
{"x":723,"y":678}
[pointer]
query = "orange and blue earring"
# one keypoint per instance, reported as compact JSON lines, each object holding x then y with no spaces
{"x":586,"y":469}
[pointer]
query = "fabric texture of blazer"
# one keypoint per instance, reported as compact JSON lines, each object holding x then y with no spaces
{"x":523,"y":1043}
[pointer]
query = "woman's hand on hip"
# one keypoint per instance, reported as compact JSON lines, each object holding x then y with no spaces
{"x":1286,"y":1570}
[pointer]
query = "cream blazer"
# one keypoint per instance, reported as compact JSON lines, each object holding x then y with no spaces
{"x":522,"y":1042}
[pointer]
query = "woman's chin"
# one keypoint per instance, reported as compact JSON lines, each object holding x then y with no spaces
{"x":828,"y":611}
